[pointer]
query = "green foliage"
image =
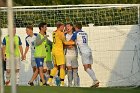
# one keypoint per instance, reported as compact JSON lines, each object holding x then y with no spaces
{"x":68,"y":2}
{"x":99,"y":17}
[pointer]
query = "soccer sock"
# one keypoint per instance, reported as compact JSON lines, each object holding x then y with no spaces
{"x":17,"y":77}
{"x":47,"y":76}
{"x":8,"y":75}
{"x":91,"y":74}
{"x":53,"y":73}
{"x":69,"y":77}
{"x":75,"y":77}
{"x":62,"y":75}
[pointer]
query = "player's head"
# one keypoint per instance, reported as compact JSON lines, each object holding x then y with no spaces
{"x":78,"y":26}
{"x":29,"y":29}
{"x":42,"y":27}
{"x":60,"y":26}
{"x":69,"y":27}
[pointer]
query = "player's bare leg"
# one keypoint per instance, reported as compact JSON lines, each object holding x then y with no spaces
{"x":42,"y":75}
{"x":35,"y":74}
{"x":34,"y":69}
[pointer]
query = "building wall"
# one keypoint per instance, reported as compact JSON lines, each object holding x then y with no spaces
{"x":115,"y":52}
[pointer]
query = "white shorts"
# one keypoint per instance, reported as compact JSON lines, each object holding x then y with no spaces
{"x":87,"y":58}
{"x":71,"y":61}
{"x":16,"y":61}
{"x":48,"y":65}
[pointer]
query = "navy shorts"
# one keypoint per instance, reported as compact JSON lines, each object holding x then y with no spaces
{"x":39,"y":62}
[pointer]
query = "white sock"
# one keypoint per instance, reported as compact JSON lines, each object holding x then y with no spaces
{"x":17,"y":77}
{"x":75,"y":77}
{"x":70,"y":78}
{"x":91,"y":74}
{"x":78,"y":80}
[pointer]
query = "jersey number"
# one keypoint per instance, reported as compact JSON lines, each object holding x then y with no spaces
{"x":84,"y":39}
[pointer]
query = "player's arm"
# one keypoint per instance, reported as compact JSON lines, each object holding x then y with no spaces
{"x":39,"y":41}
{"x":70,"y":42}
{"x":26,"y":50}
{"x":20,"y":48}
{"x":21,"y":51}
{"x":49,"y":43}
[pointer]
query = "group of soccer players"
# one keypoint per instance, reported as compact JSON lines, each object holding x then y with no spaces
{"x":56,"y":58}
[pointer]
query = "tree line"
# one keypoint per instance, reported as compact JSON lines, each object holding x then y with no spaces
{"x":70,"y":2}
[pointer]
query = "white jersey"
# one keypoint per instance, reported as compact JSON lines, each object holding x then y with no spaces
{"x":30,"y":43}
{"x":70,"y":51}
{"x":81,"y":39}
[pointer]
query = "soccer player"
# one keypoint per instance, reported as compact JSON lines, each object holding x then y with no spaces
{"x":30,"y":43}
{"x":58,"y":54}
{"x":81,"y":39}
{"x":48,"y":65}
{"x":40,"y":53}
{"x":17,"y":51}
{"x":71,"y":57}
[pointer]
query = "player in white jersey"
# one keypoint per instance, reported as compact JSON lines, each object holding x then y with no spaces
{"x":30,"y":43}
{"x":81,"y":39}
{"x":71,"y":58}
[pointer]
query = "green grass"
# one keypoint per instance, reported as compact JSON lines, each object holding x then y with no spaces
{"x":47,"y":89}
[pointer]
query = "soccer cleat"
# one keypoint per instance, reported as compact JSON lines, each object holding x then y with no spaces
{"x":41,"y":83}
{"x":7,"y":82}
{"x":31,"y":83}
{"x":45,"y":84}
{"x":95,"y":84}
{"x":62,"y":84}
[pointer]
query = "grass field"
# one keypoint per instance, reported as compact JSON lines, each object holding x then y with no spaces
{"x":47,"y":89}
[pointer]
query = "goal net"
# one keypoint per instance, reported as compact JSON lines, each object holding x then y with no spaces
{"x":113,"y":37}
{"x":100,"y":15}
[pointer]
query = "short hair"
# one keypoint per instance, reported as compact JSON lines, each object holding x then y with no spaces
{"x":41,"y":25}
{"x":29,"y":27}
{"x":69,"y":24}
{"x":58,"y":24}
{"x":78,"y":25}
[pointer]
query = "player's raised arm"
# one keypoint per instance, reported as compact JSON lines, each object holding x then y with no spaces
{"x":39,"y":41}
{"x":71,"y":42}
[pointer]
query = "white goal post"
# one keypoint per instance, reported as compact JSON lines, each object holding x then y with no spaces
{"x":114,"y":35}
